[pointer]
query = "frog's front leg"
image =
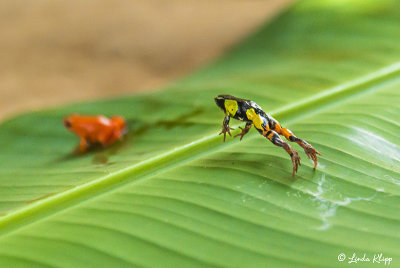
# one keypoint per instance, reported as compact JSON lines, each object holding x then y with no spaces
{"x":245,"y":130}
{"x":308,"y":149}
{"x":225,"y":127}
{"x":83,"y":145}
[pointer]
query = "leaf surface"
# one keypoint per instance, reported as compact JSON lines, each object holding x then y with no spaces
{"x":172,"y":193}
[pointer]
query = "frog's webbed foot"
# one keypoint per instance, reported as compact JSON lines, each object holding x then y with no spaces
{"x":295,"y":161}
{"x":245,"y":130}
{"x":311,"y":152}
{"x":241,"y":134}
{"x":226,"y":129}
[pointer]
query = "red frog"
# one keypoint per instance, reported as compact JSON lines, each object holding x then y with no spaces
{"x":95,"y":129}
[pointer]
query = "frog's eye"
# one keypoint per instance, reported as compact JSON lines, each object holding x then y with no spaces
{"x":67,"y":123}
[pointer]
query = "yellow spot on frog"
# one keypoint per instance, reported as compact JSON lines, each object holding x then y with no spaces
{"x":231,"y":107}
{"x":255,"y":118}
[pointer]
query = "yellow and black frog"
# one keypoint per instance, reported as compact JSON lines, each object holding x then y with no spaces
{"x":266,"y":125}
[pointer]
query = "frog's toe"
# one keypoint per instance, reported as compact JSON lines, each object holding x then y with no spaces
{"x":312,"y":154}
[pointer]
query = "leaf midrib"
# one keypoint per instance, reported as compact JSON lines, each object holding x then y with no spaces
{"x":52,"y":205}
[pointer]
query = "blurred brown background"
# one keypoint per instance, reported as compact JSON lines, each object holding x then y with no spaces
{"x":54,"y":51}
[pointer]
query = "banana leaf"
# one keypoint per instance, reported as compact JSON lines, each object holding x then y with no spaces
{"x":173,"y":194}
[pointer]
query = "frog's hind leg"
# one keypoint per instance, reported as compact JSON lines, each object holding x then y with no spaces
{"x":107,"y":138}
{"x":245,"y":130}
{"x":310,"y":151}
{"x":274,"y":137}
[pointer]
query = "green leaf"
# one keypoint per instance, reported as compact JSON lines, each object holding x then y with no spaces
{"x":173,"y":194}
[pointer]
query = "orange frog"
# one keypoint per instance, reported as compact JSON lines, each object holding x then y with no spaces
{"x":95,"y":129}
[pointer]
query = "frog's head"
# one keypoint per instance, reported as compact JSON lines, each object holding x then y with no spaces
{"x":220,"y":101}
{"x":69,"y":121}
{"x":76,"y":123}
{"x":227,"y":103}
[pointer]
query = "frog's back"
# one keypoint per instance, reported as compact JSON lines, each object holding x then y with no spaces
{"x":272,"y":122}
{"x":243,"y":106}
{"x":243,"y":102}
{"x":238,"y":100}
{"x":255,"y":106}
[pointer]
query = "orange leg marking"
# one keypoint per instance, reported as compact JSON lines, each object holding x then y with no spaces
{"x":308,"y":149}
